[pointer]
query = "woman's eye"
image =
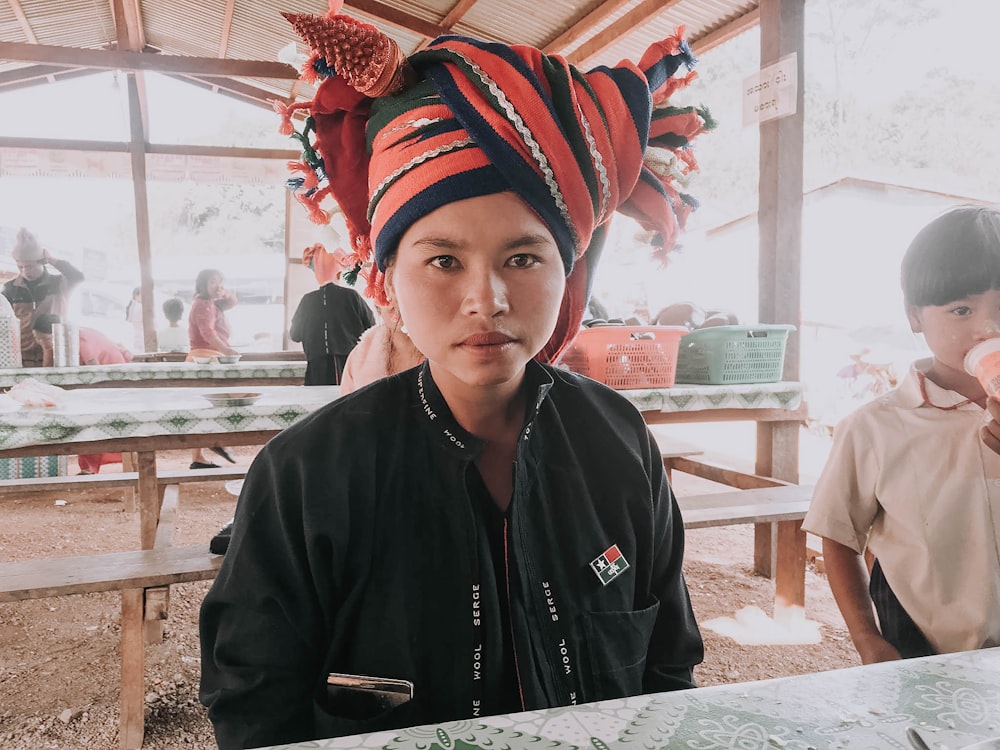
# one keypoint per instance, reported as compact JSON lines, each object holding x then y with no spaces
{"x":523,"y":260}
{"x":962,"y":310}
{"x":443,"y":261}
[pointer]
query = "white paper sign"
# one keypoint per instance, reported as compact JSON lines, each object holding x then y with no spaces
{"x":772,"y":92}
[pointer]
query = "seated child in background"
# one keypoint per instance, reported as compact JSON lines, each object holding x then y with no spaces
{"x":913,"y":477}
{"x":173,"y":338}
{"x":95,"y":349}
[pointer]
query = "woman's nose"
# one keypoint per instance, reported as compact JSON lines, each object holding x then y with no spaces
{"x":486,"y":294}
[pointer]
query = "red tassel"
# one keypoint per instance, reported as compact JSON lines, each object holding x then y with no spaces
{"x":286,"y":111}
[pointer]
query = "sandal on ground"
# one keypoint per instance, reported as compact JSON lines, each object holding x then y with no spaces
{"x":203,"y":465}
{"x":224,"y":453}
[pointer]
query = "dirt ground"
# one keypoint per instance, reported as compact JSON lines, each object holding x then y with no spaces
{"x":59,"y":657}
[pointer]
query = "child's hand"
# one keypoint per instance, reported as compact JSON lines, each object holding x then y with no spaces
{"x":990,"y":432}
{"x":875,"y":648}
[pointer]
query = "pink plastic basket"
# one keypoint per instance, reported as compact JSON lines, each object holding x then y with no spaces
{"x":626,"y":357}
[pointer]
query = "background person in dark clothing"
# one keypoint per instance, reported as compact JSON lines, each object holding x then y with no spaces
{"x":330,"y":320}
{"x":35,"y":291}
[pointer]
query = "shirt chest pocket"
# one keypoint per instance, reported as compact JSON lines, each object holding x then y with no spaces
{"x":616,"y":644}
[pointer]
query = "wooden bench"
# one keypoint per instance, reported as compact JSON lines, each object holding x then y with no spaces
{"x":142,"y":576}
{"x":763,"y":505}
{"x":781,"y":508}
{"x":127,"y":479}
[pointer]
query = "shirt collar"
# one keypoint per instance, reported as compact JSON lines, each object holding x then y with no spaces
{"x":917,"y":390}
{"x":437,"y":416}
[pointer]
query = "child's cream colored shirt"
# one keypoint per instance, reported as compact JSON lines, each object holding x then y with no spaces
{"x":916,"y":484}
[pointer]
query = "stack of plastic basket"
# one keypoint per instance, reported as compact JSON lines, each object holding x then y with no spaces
{"x":626,"y":357}
{"x":726,"y":355}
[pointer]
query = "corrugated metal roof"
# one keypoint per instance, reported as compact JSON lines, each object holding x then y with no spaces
{"x":196,"y":28}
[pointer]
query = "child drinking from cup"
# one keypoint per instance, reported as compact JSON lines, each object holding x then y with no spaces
{"x":912,"y":482}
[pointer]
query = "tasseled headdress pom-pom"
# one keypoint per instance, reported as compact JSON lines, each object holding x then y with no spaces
{"x":362,"y":55}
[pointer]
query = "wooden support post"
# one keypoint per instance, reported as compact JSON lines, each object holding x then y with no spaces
{"x":158,"y":599}
{"x":789,"y":579}
{"x":128,"y":465}
{"x":149,"y":499}
{"x":779,"y":218}
{"x":130,"y":728}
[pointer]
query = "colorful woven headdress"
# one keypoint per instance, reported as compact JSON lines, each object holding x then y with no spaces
{"x":465,"y":118}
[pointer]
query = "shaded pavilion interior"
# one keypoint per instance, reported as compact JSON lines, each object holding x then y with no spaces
{"x":230,"y":47}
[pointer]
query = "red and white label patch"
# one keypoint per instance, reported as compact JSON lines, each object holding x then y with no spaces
{"x":609,"y":565}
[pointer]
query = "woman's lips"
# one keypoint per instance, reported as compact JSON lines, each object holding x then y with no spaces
{"x":487,"y":339}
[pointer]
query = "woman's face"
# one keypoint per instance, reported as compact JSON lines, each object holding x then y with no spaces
{"x":214,"y":286}
{"x":478,"y":284}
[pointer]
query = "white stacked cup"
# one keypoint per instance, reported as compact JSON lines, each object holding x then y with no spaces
{"x":71,"y":332}
{"x":58,"y":345}
{"x":65,"y":345}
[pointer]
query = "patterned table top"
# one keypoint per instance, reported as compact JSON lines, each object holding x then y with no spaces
{"x":143,"y":372}
{"x":682,"y":397}
{"x":87,"y":414}
{"x":953,"y":700}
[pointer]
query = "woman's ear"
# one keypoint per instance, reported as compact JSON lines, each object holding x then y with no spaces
{"x":913,"y":315}
{"x":387,"y":284}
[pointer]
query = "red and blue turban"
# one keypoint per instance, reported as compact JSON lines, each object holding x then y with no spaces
{"x":465,"y":118}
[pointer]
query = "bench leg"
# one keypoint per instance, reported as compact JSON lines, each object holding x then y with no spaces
{"x":790,"y":577}
{"x":765,"y":549}
{"x":128,"y":464}
{"x":131,"y":722}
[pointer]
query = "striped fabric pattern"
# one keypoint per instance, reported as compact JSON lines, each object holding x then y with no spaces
{"x":485,"y":118}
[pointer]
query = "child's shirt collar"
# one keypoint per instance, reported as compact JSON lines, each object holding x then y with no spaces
{"x":918,"y":390}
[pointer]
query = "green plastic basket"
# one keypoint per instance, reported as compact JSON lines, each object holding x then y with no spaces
{"x":724,"y":355}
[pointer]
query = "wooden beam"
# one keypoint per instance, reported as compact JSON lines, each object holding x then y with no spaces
{"x":227,"y":28}
{"x":244,"y":90}
{"x":22,"y":21}
{"x":129,"y":27}
{"x":62,"y":144}
{"x":136,"y":61}
{"x":121,"y":28}
{"x":29,"y":33}
{"x":34,"y":73}
{"x":583,"y":27}
{"x":723,"y":34}
{"x":137,"y":149}
{"x":635,"y":18}
{"x":457,"y":12}
{"x":397,"y":18}
{"x":229,"y":152}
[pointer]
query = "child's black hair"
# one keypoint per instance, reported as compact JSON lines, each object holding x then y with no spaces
{"x":44,"y":322}
{"x":173,"y":309}
{"x":955,"y":256}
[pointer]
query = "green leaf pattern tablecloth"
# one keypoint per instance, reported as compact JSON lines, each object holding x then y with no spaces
{"x":679,"y":398}
{"x":954,"y":699}
{"x":134,"y":372}
{"x":104,"y":413}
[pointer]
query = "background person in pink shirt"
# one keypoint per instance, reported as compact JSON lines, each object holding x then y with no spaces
{"x":207,"y":324}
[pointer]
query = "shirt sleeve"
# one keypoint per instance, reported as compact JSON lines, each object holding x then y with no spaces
{"x":845,"y":504}
{"x":261,"y":623}
{"x":70,"y":273}
{"x":295,"y":331}
{"x":676,"y":645}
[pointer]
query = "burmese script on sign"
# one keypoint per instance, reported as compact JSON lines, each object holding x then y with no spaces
{"x":772,"y":92}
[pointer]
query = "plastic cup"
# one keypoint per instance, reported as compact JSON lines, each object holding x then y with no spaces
{"x":983,"y":362}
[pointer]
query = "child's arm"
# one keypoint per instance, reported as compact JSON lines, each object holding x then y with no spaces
{"x":848,"y":576}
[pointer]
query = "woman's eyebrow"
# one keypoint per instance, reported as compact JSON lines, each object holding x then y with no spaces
{"x":531,"y":239}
